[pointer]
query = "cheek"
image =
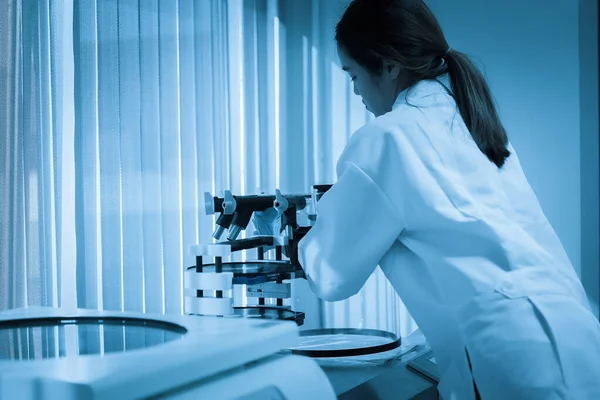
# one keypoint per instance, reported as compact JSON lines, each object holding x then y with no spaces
{"x":369,"y":91}
{"x":365,"y":88}
{"x":387,"y":89}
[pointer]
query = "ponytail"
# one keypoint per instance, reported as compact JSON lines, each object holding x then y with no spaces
{"x":476,"y":107}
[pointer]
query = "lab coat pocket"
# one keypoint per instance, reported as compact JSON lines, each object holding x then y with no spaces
{"x":510,"y":353}
{"x":575,"y":335}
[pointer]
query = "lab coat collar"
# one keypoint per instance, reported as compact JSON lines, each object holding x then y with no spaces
{"x":422,"y":92}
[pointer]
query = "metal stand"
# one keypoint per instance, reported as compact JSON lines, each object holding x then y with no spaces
{"x":210,"y":287}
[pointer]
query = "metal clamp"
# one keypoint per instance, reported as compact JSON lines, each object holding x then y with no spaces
{"x":269,"y":290}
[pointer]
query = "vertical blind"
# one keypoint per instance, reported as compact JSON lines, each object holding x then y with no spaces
{"x":117,"y":115}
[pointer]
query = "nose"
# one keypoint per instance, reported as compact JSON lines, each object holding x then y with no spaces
{"x":356,"y":92}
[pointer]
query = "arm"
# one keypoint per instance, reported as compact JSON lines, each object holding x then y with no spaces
{"x":357,"y":223}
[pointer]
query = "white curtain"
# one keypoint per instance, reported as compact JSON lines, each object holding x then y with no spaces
{"x":37,"y":241}
{"x":117,"y":115}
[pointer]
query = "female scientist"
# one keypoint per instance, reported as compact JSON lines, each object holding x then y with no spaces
{"x":432,"y":192}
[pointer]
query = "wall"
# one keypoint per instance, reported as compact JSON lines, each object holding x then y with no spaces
{"x":590,"y":202}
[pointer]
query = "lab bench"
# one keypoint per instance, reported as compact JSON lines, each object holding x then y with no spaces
{"x":394,"y":380}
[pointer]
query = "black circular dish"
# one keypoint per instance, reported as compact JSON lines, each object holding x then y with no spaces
{"x":47,"y":338}
{"x":251,"y":267}
{"x":394,"y":343}
{"x":252,"y":272}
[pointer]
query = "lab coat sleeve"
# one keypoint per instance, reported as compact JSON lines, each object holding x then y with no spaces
{"x":356,"y":225}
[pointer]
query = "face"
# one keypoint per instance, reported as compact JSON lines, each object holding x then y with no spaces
{"x":378,"y":92}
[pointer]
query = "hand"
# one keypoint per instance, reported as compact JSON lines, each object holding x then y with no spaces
{"x":267,"y":223}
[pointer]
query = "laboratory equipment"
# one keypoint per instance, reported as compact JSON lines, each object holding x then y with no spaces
{"x":50,"y":353}
{"x":259,"y":286}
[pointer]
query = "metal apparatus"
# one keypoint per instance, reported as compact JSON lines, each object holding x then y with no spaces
{"x":259,"y":286}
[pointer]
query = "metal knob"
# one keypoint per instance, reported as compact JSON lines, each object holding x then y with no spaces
{"x":209,"y":204}
{"x":229,"y":203}
{"x":280,"y":203}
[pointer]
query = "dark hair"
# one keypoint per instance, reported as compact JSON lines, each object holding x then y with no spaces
{"x":407,"y":32}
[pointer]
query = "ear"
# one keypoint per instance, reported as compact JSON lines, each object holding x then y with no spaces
{"x":391,"y":69}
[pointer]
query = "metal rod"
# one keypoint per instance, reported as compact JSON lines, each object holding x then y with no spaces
{"x":199,"y":293}
{"x":279,"y":301}
{"x":218,"y":269}
{"x":260,"y":253}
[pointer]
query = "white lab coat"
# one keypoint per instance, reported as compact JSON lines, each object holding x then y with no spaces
{"x":468,"y":249}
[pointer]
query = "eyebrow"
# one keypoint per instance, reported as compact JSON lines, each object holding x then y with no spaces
{"x":345,"y":69}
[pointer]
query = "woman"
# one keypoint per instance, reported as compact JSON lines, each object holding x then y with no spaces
{"x":433,"y":193}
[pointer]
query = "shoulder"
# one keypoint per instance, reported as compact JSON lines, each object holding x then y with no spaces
{"x":389,"y":127}
{"x":370,"y":142}
{"x":379,"y":150}
{"x":384,"y":138}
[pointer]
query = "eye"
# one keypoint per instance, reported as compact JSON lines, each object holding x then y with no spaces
{"x":353,"y":79}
